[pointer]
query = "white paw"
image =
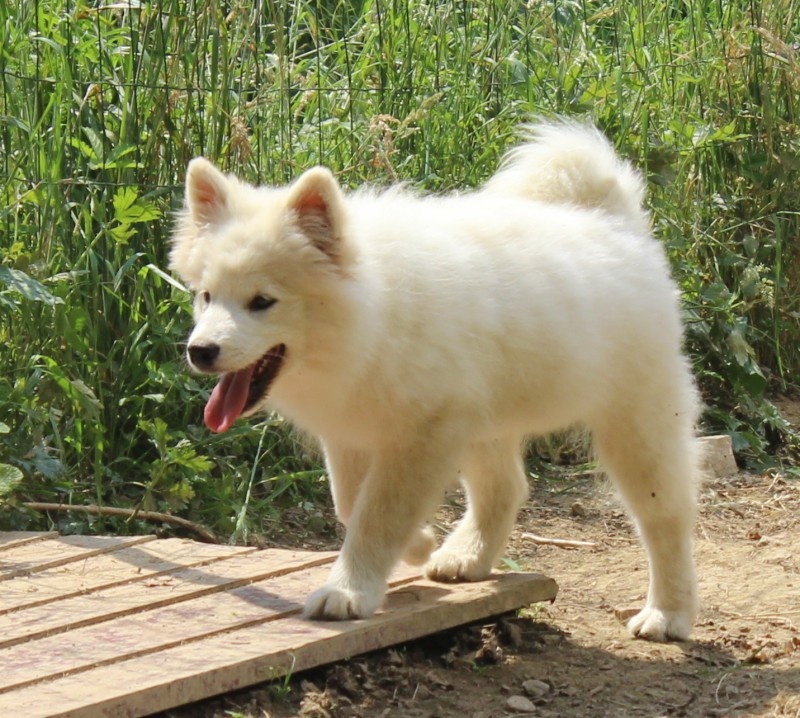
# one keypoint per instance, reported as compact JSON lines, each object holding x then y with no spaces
{"x":448,"y":566}
{"x":656,"y":625}
{"x":334,"y":603}
{"x":420,"y":547}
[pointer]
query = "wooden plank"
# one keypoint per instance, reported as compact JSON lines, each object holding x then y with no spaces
{"x":42,"y":555}
{"x":10,"y":539}
{"x":154,"y":591}
{"x":263,"y":650}
{"x":156,"y":630}
{"x":86,"y":615}
{"x":99,"y":571}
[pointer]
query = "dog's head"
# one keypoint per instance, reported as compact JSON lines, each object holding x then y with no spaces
{"x":262,"y":264}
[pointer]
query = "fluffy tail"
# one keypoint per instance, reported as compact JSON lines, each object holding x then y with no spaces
{"x":568,"y":163}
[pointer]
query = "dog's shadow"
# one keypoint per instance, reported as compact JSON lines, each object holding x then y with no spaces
{"x":691,"y":678}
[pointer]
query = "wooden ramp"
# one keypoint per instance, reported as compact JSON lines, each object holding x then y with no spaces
{"x":96,"y":626}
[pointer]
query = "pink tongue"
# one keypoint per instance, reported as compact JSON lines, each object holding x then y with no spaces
{"x":227,"y":400}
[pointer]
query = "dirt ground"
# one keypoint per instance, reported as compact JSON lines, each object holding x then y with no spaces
{"x":574,"y":657}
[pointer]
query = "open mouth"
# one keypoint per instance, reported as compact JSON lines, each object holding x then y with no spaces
{"x":264,"y":373}
{"x":238,"y":392}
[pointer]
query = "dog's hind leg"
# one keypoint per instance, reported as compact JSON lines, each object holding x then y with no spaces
{"x":496,"y":487}
{"x":650,"y":455}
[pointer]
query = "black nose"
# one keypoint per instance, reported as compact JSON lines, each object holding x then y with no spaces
{"x":203,"y":356}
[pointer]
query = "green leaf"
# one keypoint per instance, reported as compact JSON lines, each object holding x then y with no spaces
{"x":97,"y":147}
{"x":118,"y":153}
{"x":511,"y":564}
{"x":83,"y":147}
{"x":753,"y":379}
{"x":123,"y":199}
{"x":74,"y":328}
{"x":166,"y":277}
{"x":15,"y":122}
{"x":740,"y":347}
{"x":76,"y":389}
{"x":48,"y":466}
{"x":10,"y":476}
{"x":129,"y":208}
{"x":27,"y":286}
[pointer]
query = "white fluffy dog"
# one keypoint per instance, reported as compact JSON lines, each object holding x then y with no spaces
{"x":423,"y":338}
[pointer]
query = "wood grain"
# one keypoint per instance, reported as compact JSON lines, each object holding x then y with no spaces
{"x":120,"y":628}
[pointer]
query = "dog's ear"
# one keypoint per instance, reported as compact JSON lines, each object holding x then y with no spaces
{"x":318,"y":203}
{"x":206,"y":192}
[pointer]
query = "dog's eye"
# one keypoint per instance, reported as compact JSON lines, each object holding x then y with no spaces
{"x":205,"y":297}
{"x":259,"y":303}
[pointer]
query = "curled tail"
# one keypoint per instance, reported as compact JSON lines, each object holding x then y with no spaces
{"x":564,"y":162}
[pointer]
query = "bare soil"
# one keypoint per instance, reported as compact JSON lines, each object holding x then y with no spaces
{"x":575,"y":657}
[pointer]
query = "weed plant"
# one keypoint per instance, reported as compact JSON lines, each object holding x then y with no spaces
{"x":102,"y":104}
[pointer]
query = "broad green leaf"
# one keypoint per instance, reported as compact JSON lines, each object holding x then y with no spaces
{"x":27,"y":286}
{"x":10,"y":476}
{"x":741,"y":349}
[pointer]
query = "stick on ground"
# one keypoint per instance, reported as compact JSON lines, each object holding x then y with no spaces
{"x":561,"y":543}
{"x":201,"y":531}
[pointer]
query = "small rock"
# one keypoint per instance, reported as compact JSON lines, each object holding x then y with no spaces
{"x":344,"y":680}
{"x":439,"y":681}
{"x":510,"y":632}
{"x":422,"y":692}
{"x":623,"y":613}
{"x":552,"y":639}
{"x":577,"y":509}
{"x":394,"y":658}
{"x":520,"y":704}
{"x":490,"y":651}
{"x":535,"y":689}
{"x":716,"y":456}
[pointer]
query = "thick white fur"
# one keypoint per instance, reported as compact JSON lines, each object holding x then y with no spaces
{"x":427,"y":336}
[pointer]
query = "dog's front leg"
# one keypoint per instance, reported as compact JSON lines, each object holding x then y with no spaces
{"x":398,"y":494}
{"x":347,"y":469}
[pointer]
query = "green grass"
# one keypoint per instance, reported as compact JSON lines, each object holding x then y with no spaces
{"x":102,"y":106}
